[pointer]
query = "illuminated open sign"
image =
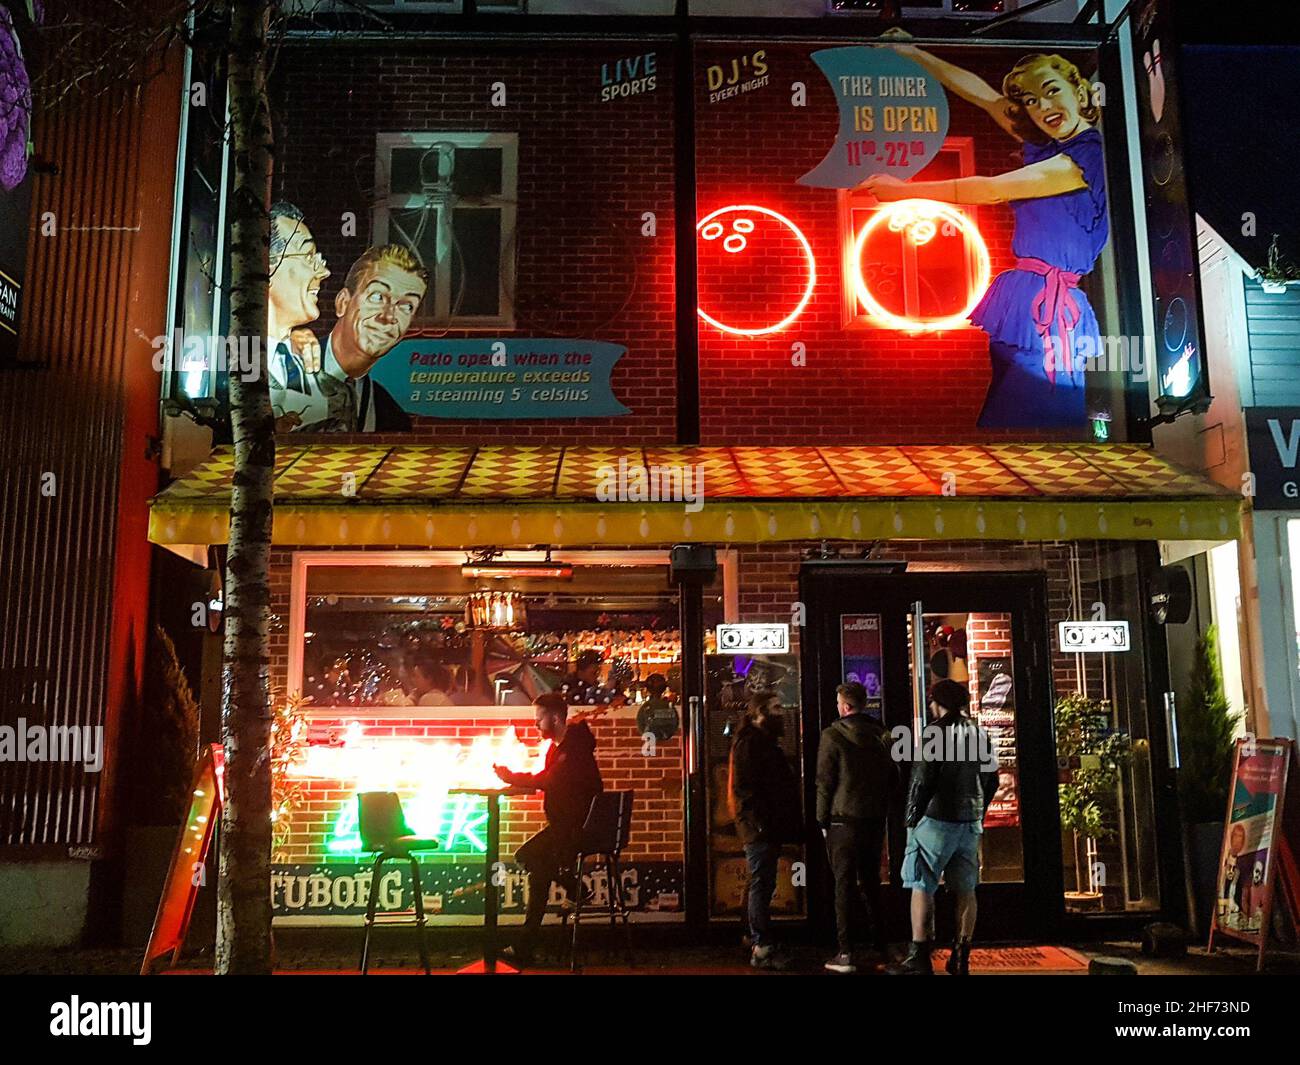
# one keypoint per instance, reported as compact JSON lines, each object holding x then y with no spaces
{"x":753,"y":638}
{"x":1081,"y":637}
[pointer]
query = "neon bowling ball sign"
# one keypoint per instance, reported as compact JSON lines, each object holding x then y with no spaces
{"x":745,"y":233}
{"x":739,"y":229}
{"x":917,"y":223}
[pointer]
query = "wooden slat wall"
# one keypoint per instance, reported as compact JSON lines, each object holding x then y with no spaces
{"x":1273,"y":328}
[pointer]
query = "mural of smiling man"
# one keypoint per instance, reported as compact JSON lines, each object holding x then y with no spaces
{"x":297,"y":271}
{"x":375,"y":306}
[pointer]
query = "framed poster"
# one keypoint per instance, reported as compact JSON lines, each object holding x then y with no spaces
{"x":1253,"y":843}
{"x":860,"y":658}
{"x":996,"y":711}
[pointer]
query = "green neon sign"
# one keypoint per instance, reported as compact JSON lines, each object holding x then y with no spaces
{"x":457,"y":822}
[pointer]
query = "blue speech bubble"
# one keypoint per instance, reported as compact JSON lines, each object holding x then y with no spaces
{"x":893,"y":116}
{"x":502,"y":378}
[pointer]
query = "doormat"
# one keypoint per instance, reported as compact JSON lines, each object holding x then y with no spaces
{"x":1018,"y":960}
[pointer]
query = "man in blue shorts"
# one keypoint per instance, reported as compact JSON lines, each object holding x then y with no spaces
{"x":954,"y":777}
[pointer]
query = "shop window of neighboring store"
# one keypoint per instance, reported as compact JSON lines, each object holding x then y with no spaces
{"x":450,"y":198}
{"x":908,"y":279}
{"x":1114,"y":870}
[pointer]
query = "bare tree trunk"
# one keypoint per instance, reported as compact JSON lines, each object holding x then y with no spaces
{"x":244,"y":887}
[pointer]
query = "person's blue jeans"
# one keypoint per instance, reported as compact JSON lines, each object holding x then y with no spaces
{"x":761,"y":857}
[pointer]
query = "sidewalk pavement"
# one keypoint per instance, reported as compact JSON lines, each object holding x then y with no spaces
{"x":399,"y":956}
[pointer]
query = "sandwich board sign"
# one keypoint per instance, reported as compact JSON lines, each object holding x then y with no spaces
{"x":1259,"y":849}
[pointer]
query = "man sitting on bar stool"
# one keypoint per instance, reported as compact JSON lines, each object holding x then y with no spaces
{"x":569,"y":781}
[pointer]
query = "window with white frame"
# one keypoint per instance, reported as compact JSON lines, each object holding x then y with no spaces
{"x":451,"y":199}
{"x":912,"y":287}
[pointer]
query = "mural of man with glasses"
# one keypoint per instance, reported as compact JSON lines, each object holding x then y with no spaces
{"x":375,"y":307}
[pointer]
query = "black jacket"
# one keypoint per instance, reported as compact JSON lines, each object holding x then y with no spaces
{"x":389,"y":415}
{"x":763,"y":789}
{"x":856,"y":777}
{"x":954,"y":786}
{"x":569,"y":780}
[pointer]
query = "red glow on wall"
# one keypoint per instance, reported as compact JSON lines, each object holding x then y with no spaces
{"x":746,"y":254}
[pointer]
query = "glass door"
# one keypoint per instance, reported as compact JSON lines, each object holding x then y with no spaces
{"x":987,"y":632}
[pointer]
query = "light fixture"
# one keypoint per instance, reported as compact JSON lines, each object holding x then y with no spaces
{"x":918,"y":221}
{"x":555,"y":570}
{"x":495,"y":611}
{"x":484,"y":564}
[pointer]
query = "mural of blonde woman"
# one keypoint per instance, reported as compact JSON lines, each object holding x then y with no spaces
{"x":1036,"y":317}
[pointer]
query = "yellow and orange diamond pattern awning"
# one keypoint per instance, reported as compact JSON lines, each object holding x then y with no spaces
{"x":507,"y":496}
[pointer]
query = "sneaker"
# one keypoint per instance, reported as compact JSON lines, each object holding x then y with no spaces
{"x":917,"y":962}
{"x":768,"y":957}
{"x":841,"y":963}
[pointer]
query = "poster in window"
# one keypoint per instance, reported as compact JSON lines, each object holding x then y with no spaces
{"x":860,"y":658}
{"x":996,"y":711}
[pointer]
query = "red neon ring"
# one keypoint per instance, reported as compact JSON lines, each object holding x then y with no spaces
{"x":931,"y":209}
{"x":808,"y":289}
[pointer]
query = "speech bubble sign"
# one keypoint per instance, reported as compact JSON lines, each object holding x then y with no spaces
{"x":505,"y":378}
{"x":893,"y":116}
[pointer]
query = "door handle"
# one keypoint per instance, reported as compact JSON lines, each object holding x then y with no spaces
{"x":695,"y":735}
{"x":1171,"y":729}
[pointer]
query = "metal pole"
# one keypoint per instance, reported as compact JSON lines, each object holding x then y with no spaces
{"x":918,"y":676}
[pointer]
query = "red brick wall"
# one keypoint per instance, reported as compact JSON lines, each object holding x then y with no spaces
{"x":655,"y":778}
{"x":587,"y":172}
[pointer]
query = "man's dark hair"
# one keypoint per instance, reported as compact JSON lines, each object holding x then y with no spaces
{"x":553,"y":702}
{"x":758,"y":703}
{"x":950,"y":695}
{"x":656,"y":684}
{"x":439,"y":674}
{"x":282,"y":209}
{"x":854,"y":693}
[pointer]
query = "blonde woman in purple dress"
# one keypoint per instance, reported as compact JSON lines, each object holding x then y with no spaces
{"x":1041,"y":327}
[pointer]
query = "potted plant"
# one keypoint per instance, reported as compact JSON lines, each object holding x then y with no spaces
{"x":166,"y":748}
{"x":1278,"y":272}
{"x":288,"y":745}
{"x":1092,"y":752}
{"x":1207,"y":728}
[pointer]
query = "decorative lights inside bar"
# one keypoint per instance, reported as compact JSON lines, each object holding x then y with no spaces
{"x":496,"y":611}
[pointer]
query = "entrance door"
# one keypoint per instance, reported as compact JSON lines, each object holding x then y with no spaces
{"x":988,"y":632}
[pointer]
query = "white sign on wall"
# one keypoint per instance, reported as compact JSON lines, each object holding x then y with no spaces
{"x":1081,"y":637}
{"x":753,"y":638}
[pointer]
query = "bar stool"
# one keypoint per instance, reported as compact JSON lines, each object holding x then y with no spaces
{"x":384,"y":830}
{"x":603,"y":836}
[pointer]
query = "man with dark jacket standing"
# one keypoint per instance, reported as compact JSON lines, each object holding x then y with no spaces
{"x":856,"y":782}
{"x":764,"y":797}
{"x":569,"y":781}
{"x":954,"y":778}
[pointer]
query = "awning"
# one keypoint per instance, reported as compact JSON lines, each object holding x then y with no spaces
{"x":421,"y":494}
